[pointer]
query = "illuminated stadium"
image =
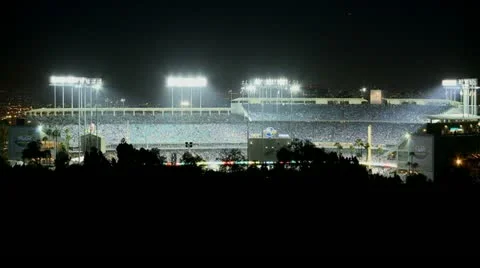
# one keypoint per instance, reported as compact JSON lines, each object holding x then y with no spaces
{"x":264,"y":103}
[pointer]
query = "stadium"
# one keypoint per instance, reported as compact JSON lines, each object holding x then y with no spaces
{"x":332,"y":123}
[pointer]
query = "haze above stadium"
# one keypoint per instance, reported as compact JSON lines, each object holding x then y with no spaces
{"x":133,"y":48}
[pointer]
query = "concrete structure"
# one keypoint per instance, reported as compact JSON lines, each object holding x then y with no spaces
{"x":265,"y":149}
{"x":89,"y":140}
{"x":438,"y":148}
{"x":125,"y":110}
{"x":376,"y":96}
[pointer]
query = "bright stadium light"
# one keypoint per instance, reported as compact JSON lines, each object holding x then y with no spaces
{"x":257,"y":82}
{"x":282,"y":82}
{"x":73,"y":80}
{"x":186,"y":82}
{"x":449,"y":83}
{"x":251,"y":88}
{"x":295,"y":88}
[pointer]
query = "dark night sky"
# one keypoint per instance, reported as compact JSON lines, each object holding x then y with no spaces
{"x":392,"y":46}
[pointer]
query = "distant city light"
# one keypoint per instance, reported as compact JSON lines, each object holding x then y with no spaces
{"x":186,"y":82}
{"x":449,"y":83}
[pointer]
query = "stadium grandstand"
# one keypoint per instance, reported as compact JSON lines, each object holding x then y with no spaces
{"x":331,"y":121}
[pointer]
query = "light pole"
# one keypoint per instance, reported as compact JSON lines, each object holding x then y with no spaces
{"x":122,"y":100}
{"x":63,"y":99}
{"x":409,"y":162}
{"x":55,"y":98}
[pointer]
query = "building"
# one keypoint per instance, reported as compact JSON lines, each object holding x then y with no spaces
{"x":89,"y":140}
{"x":264,"y":147}
{"x":439,"y":148}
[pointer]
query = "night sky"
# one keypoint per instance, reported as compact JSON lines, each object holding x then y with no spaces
{"x":337,"y":46}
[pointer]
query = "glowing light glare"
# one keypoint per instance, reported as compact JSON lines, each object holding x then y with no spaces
{"x":408,"y":136}
{"x":449,"y":83}
{"x":282,"y":82}
{"x":295,"y":88}
{"x":40,"y":128}
{"x":364,"y":89}
{"x":251,"y":88}
{"x":257,"y":82}
{"x":186,"y":82}
{"x":458,"y":162}
{"x":73,"y":80}
{"x":185,"y":103}
{"x":269,"y":82}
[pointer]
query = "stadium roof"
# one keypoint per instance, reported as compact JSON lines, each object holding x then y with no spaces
{"x":456,"y":116}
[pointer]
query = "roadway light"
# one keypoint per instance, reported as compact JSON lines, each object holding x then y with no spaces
{"x":408,"y":136}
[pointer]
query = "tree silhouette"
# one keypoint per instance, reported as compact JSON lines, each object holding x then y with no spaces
{"x":61,"y":160}
{"x":359,"y":145}
{"x":55,"y":134}
{"x":68,"y":138}
{"x":231,"y":158}
{"x":339,"y":147}
{"x":352,"y":149}
{"x":33,"y":152}
{"x":126,"y":154}
{"x":95,"y":159}
{"x":190,"y":159}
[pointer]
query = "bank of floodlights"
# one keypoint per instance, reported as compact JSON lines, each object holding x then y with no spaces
{"x":269,"y":83}
{"x":450,"y":83}
{"x":186,"y":82}
{"x":75,"y":81}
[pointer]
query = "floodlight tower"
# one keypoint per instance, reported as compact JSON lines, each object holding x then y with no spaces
{"x":192,"y":83}
{"x":451,"y":86}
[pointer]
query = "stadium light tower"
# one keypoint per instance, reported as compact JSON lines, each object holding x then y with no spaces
{"x":182,"y":82}
{"x":451,"y":86}
{"x":73,"y":82}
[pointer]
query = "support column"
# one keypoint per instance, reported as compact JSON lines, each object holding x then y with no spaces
{"x":475,"y":107}
{"x":71,"y":107}
{"x":63,"y":100}
{"x":55,"y":99}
